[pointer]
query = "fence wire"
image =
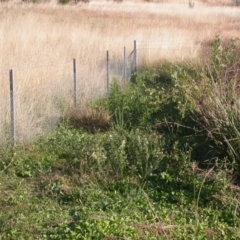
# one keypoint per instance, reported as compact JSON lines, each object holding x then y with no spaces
{"x":43,"y":97}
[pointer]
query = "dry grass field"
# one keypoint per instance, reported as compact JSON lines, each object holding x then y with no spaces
{"x":39,"y":41}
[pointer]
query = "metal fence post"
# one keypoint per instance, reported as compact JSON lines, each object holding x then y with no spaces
{"x":13,"y":131}
{"x":107,"y":72}
{"x":75,"y":82}
{"x":135,"y":55}
{"x":124,"y":65}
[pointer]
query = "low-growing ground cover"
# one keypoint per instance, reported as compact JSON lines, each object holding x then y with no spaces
{"x":164,"y":163}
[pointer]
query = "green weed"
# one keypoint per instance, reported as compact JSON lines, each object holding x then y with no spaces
{"x":165,"y":167}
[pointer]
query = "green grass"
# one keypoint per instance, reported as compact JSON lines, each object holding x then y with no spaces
{"x":151,"y":164}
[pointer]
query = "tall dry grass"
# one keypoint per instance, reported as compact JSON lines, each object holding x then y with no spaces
{"x":39,"y":41}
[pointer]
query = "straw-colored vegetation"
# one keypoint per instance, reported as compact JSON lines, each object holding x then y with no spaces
{"x":39,"y":42}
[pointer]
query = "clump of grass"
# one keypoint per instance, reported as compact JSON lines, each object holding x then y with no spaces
{"x":220,"y":105}
{"x":90,"y":119}
{"x":207,"y":98}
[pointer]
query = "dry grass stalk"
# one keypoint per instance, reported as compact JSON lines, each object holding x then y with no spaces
{"x":155,"y":229}
{"x":91,"y":119}
{"x":41,"y":40}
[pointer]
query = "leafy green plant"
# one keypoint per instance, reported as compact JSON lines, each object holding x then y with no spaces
{"x":147,"y":99}
{"x":224,"y":60}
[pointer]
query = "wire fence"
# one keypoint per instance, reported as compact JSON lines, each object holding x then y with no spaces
{"x":33,"y":105}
